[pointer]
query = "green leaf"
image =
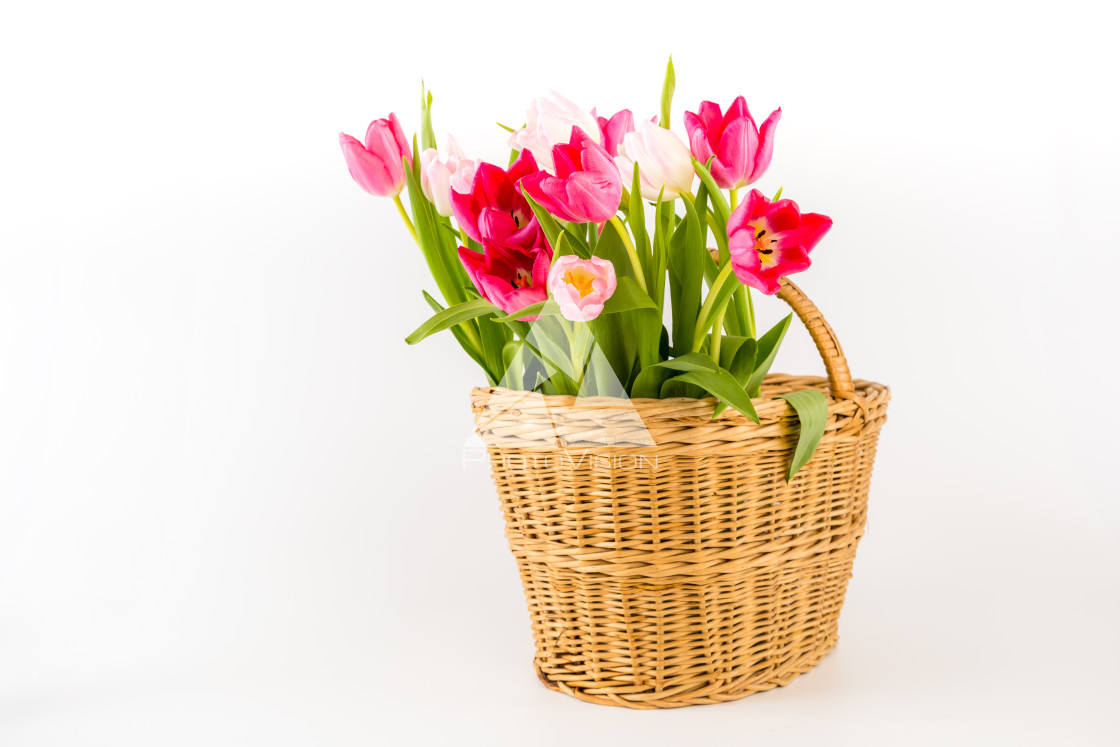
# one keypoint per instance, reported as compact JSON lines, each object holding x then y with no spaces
{"x":554,"y":232}
{"x":719,"y":202}
{"x":637,"y":220}
{"x":463,"y":340}
{"x":507,"y":128}
{"x":427,"y":135}
{"x":534,"y":309}
{"x":649,"y":382}
{"x":722,"y":385}
{"x":562,"y":246}
{"x":667,"y":89}
{"x":777,"y":195}
{"x":548,"y":223}
{"x":767,"y":349}
{"x":739,"y":355}
{"x":439,"y":250}
{"x":450,"y":317}
{"x":513,"y":358}
{"x":627,"y":297}
{"x":811,"y":407}
{"x":661,"y":251}
{"x":579,"y":244}
{"x":686,"y":268}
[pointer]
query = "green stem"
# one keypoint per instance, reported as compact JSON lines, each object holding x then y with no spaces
{"x":717,"y":334}
{"x":709,"y":303}
{"x":750,"y":310}
{"x":721,"y":237}
{"x":405,"y":218}
{"x":639,"y":273}
{"x":734,"y":197}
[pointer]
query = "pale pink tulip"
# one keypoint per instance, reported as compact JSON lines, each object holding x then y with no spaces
{"x":439,"y":174}
{"x":581,"y":286}
{"x":550,"y":122}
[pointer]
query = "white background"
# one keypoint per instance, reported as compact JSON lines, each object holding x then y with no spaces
{"x":233,"y":509}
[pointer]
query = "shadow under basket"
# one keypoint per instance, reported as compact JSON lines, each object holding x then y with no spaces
{"x":665,"y":560}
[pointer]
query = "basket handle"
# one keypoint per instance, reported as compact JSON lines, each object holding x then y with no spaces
{"x":839,"y":378}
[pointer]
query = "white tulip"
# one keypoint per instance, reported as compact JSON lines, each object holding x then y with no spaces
{"x":663,"y":161}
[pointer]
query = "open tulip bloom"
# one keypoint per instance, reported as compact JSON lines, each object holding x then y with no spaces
{"x":601,"y":229}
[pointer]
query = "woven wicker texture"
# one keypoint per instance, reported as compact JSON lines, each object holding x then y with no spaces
{"x":665,"y":560}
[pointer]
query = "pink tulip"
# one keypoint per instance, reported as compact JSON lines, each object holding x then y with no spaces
{"x":611,"y":131}
{"x":509,"y":276}
{"x":493,"y":208}
{"x":742,"y":151}
{"x":769,"y":240}
{"x":550,"y":122}
{"x":377,"y":165}
{"x":438,"y":174}
{"x":581,"y":286}
{"x":663,"y":161}
{"x":587,"y":187}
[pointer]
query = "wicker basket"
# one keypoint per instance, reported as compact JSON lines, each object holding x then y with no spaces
{"x":665,"y":560}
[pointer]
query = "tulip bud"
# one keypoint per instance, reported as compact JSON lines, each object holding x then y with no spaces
{"x":377,"y":164}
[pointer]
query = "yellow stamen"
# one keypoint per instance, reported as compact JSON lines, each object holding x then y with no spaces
{"x":580,"y":279}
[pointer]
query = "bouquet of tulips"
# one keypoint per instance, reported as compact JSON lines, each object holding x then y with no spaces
{"x":583,"y":267}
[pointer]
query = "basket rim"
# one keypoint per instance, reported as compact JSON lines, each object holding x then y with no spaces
{"x":867,"y":395}
{"x":864,"y":389}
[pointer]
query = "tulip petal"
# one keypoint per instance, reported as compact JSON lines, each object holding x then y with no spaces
{"x":737,"y":147}
{"x":765,"y":145}
{"x":522,"y":167}
{"x":813,"y":228}
{"x":368,"y":169}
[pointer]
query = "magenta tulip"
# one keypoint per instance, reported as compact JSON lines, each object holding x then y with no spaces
{"x":614,"y":129}
{"x":742,"y":150}
{"x":494,"y":209}
{"x":769,"y":240}
{"x":509,"y":276}
{"x":378,"y":164}
{"x":587,"y":187}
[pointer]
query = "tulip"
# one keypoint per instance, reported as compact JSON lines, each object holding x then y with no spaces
{"x":438,"y":175}
{"x":742,"y":150}
{"x":509,"y":276}
{"x":611,"y":131}
{"x":550,"y":121}
{"x":663,"y":161}
{"x":587,"y":187}
{"x":769,"y":240}
{"x":581,"y":286}
{"x":377,"y":165}
{"x":493,"y":208}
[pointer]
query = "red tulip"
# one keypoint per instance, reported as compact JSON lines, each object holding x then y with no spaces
{"x":509,"y":276}
{"x":614,"y":129}
{"x":587,"y":187}
{"x":769,"y":240}
{"x":494,"y":209}
{"x":377,"y":165}
{"x":742,"y":150}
